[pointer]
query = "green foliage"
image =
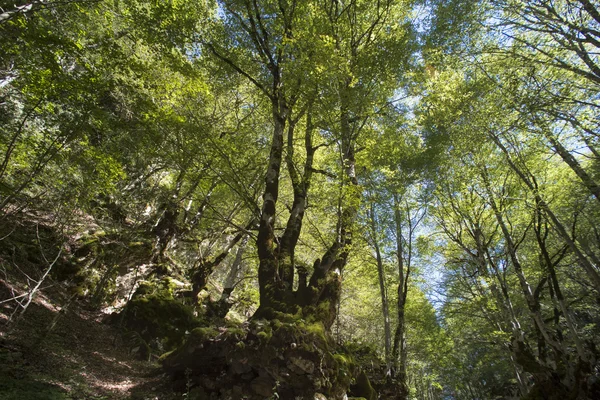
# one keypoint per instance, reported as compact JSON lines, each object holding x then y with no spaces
{"x":136,"y":134}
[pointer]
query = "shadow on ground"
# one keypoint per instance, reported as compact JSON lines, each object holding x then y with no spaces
{"x":57,"y":352}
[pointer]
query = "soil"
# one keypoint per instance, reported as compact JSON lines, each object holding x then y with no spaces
{"x":59,"y":350}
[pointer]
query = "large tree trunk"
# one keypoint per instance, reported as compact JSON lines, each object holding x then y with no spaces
{"x":268,"y":270}
{"x":318,"y":296}
{"x":326,"y":282}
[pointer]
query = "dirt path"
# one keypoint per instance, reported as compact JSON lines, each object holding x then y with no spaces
{"x":57,"y":352}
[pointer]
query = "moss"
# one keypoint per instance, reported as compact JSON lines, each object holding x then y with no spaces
{"x":363,"y":388}
{"x":168,"y":285}
{"x":263,"y":336}
{"x":204,"y":333}
{"x":341,"y":360}
{"x":345,"y":367}
{"x":86,"y":245}
{"x":237,"y":332}
{"x":287,"y":318}
{"x":158,"y":318}
{"x":316,"y":331}
{"x":362,"y":354}
{"x":276,"y":324}
{"x":144,"y":288}
{"x":165,"y":355}
{"x":322,"y":312}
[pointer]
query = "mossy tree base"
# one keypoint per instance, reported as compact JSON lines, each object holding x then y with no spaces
{"x":262,"y":359}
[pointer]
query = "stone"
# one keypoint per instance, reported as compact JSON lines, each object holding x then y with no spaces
{"x":306,"y":366}
{"x":262,"y":387}
{"x":240,"y":367}
{"x":237,"y":392}
{"x":197,"y":393}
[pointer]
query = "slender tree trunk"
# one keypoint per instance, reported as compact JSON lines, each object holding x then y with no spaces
{"x":384,"y":299}
{"x":572,"y":162}
{"x":531,"y":300}
{"x":555,"y":286}
{"x":221,"y":307}
{"x":206,"y":267}
{"x":399,"y":353}
{"x":590,"y":269}
{"x":521,"y":383}
{"x":301,"y":186}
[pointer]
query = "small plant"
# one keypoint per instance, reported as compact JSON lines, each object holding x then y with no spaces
{"x":188,"y":383}
{"x":275,"y":395}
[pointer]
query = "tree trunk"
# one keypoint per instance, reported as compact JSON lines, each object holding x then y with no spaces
{"x":572,"y":162}
{"x":399,"y":353}
{"x":384,"y":299}
{"x":220,"y":308}
{"x":205,"y":268}
{"x":268,"y":269}
{"x":584,"y":262}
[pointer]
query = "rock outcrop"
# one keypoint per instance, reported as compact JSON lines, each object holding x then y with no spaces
{"x":260,"y":360}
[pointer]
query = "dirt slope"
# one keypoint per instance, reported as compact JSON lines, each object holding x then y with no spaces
{"x":58,"y":350}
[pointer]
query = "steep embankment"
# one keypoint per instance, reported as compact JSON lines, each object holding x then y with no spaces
{"x":58,"y":348}
{"x":62,"y":352}
{"x":56,"y":343}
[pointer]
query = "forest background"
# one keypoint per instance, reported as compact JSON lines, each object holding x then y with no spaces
{"x":414,"y":182}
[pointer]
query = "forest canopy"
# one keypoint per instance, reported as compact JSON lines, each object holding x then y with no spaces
{"x":390,"y":198}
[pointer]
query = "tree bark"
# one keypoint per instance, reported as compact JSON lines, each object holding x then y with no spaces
{"x":205,"y":268}
{"x":584,"y":262}
{"x":572,"y":162}
{"x":385,"y":309}
{"x":325,"y":283}
{"x":268,"y":269}
{"x":399,"y":353}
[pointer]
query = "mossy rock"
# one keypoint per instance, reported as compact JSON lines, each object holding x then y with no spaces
{"x":202,"y":334}
{"x":296,"y":358}
{"x":363,"y":388}
{"x":158,"y":318}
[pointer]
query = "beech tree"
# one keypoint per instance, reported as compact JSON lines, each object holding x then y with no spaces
{"x":280,"y":38}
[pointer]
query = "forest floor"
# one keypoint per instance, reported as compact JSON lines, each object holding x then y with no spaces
{"x":57,"y":350}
